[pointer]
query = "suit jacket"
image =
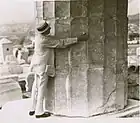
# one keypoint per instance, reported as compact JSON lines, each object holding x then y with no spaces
{"x":43,"y":58}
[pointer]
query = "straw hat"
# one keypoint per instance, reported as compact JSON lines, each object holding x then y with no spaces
{"x":43,"y":26}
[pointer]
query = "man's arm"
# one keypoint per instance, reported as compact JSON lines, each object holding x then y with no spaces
{"x":59,"y":43}
{"x":68,"y":41}
{"x":63,"y":43}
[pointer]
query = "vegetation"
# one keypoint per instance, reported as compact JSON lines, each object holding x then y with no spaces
{"x":133,"y":27}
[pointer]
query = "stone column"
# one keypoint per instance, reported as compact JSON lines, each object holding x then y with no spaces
{"x":90,"y":75}
{"x":115,"y":54}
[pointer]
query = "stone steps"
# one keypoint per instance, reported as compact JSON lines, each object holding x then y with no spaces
{"x":127,"y":113}
{"x":132,"y":109}
{"x":9,"y":89}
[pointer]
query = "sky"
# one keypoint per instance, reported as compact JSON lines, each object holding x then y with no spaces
{"x":12,"y":11}
{"x":20,"y":11}
{"x":133,"y":7}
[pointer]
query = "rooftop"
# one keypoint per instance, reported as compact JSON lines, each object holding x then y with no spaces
{"x":5,"y":41}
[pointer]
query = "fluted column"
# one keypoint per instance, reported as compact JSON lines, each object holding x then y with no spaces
{"x":90,"y":75}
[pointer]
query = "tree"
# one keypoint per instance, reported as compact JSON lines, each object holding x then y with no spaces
{"x":133,"y":31}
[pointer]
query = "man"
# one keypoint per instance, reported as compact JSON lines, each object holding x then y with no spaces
{"x":42,"y":65}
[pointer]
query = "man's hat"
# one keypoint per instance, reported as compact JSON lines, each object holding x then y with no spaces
{"x":43,"y":26}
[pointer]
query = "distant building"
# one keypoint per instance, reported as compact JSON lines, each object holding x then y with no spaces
{"x":6,"y":49}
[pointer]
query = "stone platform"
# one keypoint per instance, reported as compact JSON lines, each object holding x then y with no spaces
{"x":17,"y":112}
{"x":9,"y":89}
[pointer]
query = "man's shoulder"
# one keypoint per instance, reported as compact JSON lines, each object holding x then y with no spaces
{"x":44,"y":39}
{"x":52,"y":37}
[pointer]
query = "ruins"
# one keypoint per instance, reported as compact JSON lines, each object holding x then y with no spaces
{"x":97,"y":68}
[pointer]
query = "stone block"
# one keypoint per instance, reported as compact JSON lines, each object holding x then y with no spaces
{"x":63,"y":28}
{"x":79,"y":90}
{"x":99,"y":28}
{"x":69,"y":27}
{"x":98,"y":8}
{"x":79,"y":8}
{"x":78,"y":26}
{"x":96,"y":53}
{"x":109,"y":89}
{"x":95,"y":89}
{"x":61,"y":55}
{"x":50,"y":95}
{"x":9,"y":89}
{"x":134,"y":91}
{"x":60,"y":14}
{"x":8,"y":69}
{"x":49,"y":9}
{"x":121,"y":83}
{"x":115,"y":67}
{"x":39,"y":9}
{"x":79,"y":54}
{"x":96,"y":32}
{"x":62,"y":8}
{"x":60,"y":94}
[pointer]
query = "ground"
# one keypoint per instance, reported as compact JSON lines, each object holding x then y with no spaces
{"x":17,"y":112}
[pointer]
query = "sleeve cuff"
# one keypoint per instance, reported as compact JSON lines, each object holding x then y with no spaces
{"x":70,"y":41}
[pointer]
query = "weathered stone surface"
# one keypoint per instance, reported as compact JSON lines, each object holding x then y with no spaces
{"x":79,"y":25}
{"x":39,"y":9}
{"x":79,"y":8}
{"x":124,"y":25}
{"x":134,"y":91}
{"x":110,"y":50}
{"x":97,"y":67}
{"x":9,"y":89}
{"x":78,"y":54}
{"x":61,"y":55}
{"x":96,"y":53}
{"x":8,"y":69}
{"x":96,"y":32}
{"x":63,"y":28}
{"x":95,"y":89}
{"x":62,"y":8}
{"x":49,"y":6}
{"x":50,"y":95}
{"x":79,"y":83}
{"x":60,"y":94}
{"x":115,"y":56}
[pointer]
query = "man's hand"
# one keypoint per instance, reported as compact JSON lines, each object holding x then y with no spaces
{"x":83,"y":37}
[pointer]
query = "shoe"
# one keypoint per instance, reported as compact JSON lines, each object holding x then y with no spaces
{"x":31,"y":113}
{"x":43,"y":115}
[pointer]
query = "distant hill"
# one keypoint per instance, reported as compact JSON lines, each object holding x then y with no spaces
{"x":16,"y":29}
{"x":134,"y":19}
{"x":17,"y":33}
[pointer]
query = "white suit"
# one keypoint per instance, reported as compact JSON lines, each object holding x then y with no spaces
{"x":42,"y":65}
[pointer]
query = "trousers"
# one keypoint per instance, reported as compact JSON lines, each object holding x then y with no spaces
{"x":39,"y":90}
